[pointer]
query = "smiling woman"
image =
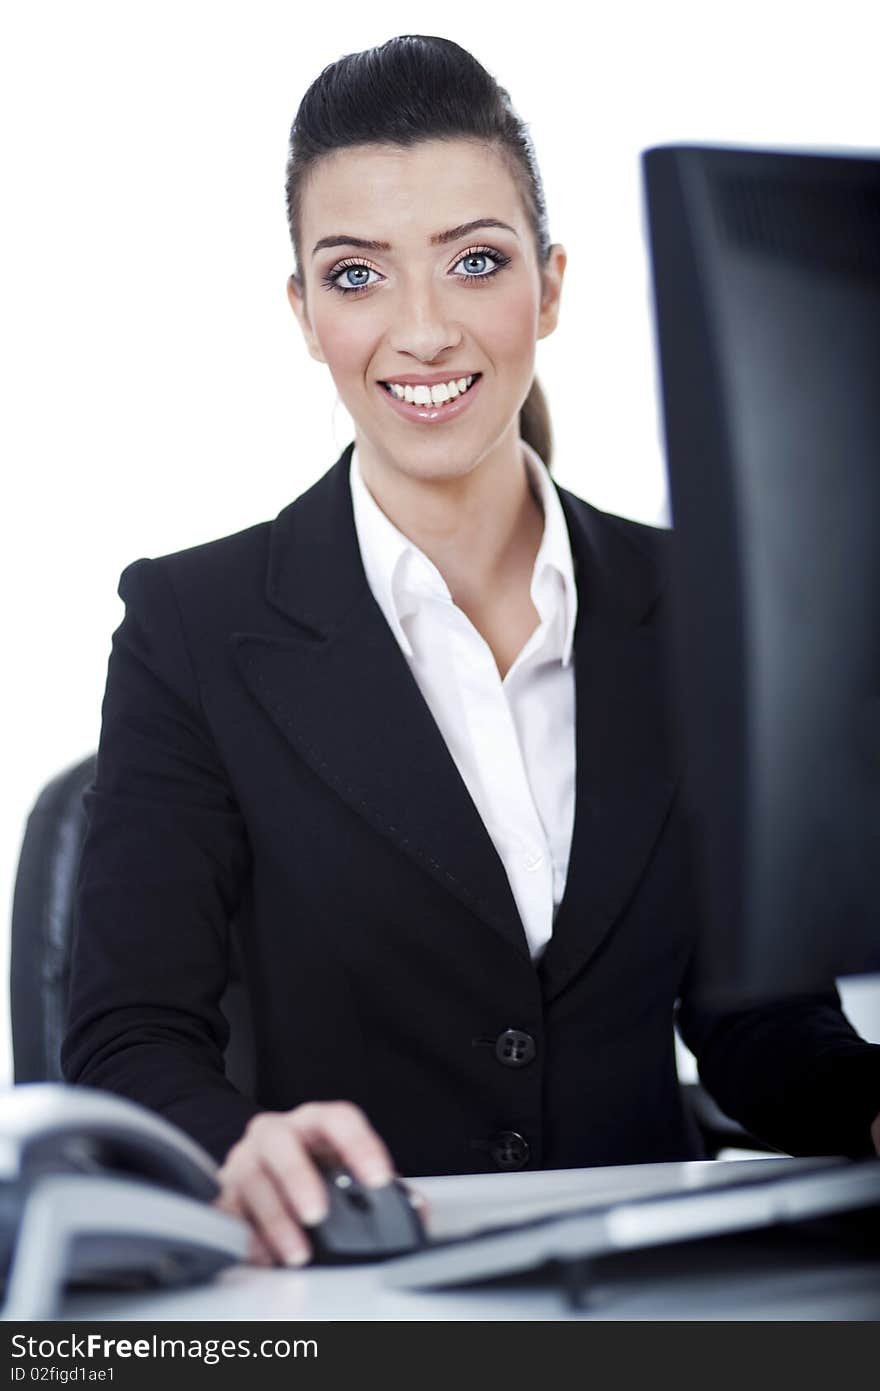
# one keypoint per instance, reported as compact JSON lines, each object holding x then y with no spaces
{"x":412,"y":738}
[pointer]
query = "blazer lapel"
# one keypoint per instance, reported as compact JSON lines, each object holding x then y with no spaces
{"x":627,"y":771}
{"x":340,"y":690}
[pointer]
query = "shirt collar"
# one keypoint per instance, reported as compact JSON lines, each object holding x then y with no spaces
{"x":554,"y":552}
{"x":399,"y":573}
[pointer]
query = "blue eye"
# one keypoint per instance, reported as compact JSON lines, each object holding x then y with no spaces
{"x":351,"y":277}
{"x":342,"y":270}
{"x":480,"y":254}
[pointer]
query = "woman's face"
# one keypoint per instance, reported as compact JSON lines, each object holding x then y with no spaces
{"x":449,"y":288}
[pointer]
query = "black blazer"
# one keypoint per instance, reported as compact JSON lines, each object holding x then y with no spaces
{"x":266,"y":751}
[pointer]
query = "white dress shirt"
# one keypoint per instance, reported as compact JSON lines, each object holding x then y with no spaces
{"x":513,"y":741}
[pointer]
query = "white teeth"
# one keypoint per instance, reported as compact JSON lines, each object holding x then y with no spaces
{"x":430,"y":395}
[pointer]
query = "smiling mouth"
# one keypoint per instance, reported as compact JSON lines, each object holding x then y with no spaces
{"x":441,"y":394}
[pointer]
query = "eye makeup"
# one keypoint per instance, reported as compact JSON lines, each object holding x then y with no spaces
{"x":333,"y":278}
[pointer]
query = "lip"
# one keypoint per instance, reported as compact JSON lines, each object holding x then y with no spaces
{"x":429,"y":415}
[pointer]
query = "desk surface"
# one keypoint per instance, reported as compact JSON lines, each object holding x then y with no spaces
{"x":781,"y":1273}
{"x":765,"y":1283}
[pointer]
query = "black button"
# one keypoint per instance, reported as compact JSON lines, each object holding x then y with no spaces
{"x":509,"y":1150}
{"x":513,"y":1048}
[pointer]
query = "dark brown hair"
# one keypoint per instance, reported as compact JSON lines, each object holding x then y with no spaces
{"x":416,"y":87}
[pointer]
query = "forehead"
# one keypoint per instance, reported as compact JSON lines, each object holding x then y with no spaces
{"x":389,"y":192}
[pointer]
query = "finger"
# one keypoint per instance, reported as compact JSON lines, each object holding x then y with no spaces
{"x":227,"y":1201}
{"x":346,"y":1129}
{"x":294,"y":1172}
{"x":258,"y":1251}
{"x":266,"y":1209}
{"x":419,"y":1202}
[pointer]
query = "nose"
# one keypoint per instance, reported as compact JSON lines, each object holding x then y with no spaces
{"x":423,"y":327}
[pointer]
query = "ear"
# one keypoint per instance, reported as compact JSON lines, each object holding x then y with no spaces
{"x":298,"y":305}
{"x":551,"y":291}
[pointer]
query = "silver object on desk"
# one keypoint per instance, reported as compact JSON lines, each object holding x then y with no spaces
{"x":95,"y":1188}
{"x":676,"y":1206}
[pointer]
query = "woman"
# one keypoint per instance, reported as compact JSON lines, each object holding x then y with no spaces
{"x":413,"y":733}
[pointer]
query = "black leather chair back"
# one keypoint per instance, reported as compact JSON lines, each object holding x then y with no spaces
{"x":42,"y":928}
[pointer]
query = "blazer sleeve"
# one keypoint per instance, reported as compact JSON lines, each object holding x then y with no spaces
{"x":163,"y":867}
{"x":794,"y":1072}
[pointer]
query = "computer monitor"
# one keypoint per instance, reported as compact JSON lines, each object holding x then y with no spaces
{"x":766,"y":271}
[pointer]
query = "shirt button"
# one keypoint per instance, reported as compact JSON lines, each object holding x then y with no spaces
{"x":533,"y":860}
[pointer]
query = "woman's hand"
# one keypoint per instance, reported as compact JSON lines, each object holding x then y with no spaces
{"x":272,"y":1177}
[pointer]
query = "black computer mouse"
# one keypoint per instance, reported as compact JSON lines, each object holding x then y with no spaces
{"x":365,"y":1224}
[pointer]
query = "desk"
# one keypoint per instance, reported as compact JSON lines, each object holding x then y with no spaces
{"x":782,"y":1273}
{"x":765,"y":1283}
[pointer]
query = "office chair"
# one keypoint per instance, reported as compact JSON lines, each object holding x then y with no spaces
{"x":42,"y":930}
{"x":42,"y":921}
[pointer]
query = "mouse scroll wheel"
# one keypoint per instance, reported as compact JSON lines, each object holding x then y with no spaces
{"x":352,"y":1194}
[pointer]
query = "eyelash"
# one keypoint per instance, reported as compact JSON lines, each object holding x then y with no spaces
{"x":330,"y":281}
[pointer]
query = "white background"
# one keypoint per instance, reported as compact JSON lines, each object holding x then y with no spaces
{"x":157,"y":393}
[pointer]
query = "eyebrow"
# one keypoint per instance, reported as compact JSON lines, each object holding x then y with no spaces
{"x":437,"y":239}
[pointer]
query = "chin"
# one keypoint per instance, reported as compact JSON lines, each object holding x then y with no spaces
{"x":441,"y":460}
{"x":424,"y":468}
{"x":431,"y":452}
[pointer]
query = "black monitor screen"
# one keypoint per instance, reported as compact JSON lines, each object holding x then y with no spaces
{"x":766,"y":269}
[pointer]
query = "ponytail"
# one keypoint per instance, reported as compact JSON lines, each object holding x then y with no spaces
{"x":534,"y":423}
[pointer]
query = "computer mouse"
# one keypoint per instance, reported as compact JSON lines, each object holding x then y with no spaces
{"x":365,"y":1224}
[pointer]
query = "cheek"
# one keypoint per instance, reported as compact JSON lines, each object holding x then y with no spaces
{"x":512,"y":324}
{"x":346,"y":340}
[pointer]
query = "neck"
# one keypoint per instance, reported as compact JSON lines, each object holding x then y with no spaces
{"x":481,"y":528}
